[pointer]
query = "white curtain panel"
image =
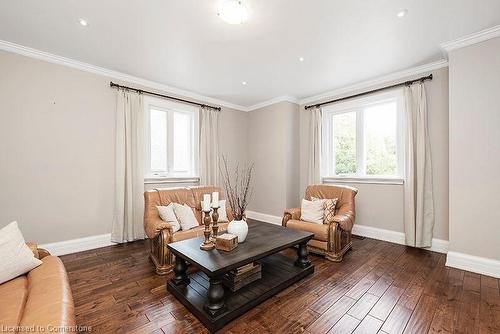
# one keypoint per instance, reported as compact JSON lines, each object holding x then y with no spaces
{"x":418,"y":194}
{"x":129,"y":168}
{"x":209,"y":146}
{"x":314,"y":169}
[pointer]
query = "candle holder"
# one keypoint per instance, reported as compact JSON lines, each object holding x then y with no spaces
{"x":207,"y":244}
{"x":215,"y":218}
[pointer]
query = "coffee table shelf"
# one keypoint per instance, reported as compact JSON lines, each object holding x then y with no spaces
{"x":278,"y":272}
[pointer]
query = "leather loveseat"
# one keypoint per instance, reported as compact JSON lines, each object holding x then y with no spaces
{"x":160,"y":232}
{"x":40,"y":301}
{"x":333,"y":239}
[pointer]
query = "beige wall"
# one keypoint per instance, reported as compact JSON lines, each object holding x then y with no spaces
{"x":475,"y":149}
{"x":273,"y":148}
{"x":381,"y":205}
{"x":57,"y":149}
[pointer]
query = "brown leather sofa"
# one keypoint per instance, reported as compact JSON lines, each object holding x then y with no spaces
{"x":160,"y":233}
{"x":334,"y":239}
{"x":40,"y":301}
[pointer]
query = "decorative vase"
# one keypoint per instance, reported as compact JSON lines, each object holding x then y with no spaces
{"x":239,"y":228}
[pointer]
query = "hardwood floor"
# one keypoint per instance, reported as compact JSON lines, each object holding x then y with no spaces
{"x":379,"y":288}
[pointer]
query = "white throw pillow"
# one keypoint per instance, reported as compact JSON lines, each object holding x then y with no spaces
{"x":167,"y":215}
{"x":221,"y":211}
{"x":185,"y":216}
{"x":312,"y":211}
{"x":17,"y":257}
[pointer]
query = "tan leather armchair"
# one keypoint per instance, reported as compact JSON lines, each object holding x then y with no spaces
{"x":161,"y":234}
{"x":40,"y":300}
{"x":334,"y":239}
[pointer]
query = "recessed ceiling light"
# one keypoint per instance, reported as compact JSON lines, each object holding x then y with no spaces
{"x":232,"y":11}
{"x":301,"y":58}
{"x":244,"y":83}
{"x":402,"y":13}
{"x":83,"y":22}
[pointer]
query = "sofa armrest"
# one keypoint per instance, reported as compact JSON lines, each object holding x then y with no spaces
{"x":345,"y":221}
{"x":290,"y":214}
{"x":39,"y":253}
{"x":154,"y":226}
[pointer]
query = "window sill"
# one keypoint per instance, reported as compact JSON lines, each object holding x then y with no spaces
{"x":364,"y":180}
{"x":162,"y":180}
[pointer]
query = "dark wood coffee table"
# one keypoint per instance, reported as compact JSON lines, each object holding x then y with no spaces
{"x":213,"y":304}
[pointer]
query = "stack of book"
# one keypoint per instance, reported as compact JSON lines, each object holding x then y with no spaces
{"x":238,"y":278}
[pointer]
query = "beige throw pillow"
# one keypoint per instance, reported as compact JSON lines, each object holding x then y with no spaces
{"x":17,"y":257}
{"x":330,"y":209}
{"x":185,"y":215}
{"x":312,"y":211}
{"x":167,"y":215}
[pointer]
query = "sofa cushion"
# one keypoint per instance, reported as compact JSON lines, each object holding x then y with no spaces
{"x":317,"y":244}
{"x":192,"y":233}
{"x":49,"y":302}
{"x":13,"y":295}
{"x":320,"y":230}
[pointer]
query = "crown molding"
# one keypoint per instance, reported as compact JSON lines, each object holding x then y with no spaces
{"x":471,"y":39}
{"x":55,"y":59}
{"x":377,"y":81}
{"x":278,"y":99}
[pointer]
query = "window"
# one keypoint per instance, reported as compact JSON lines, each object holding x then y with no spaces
{"x":363,"y":138}
{"x":173,"y":139}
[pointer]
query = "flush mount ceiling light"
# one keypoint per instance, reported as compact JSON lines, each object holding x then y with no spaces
{"x":83,"y":22}
{"x":402,"y":13}
{"x":301,"y":59}
{"x":232,"y":11}
{"x":244,"y":83}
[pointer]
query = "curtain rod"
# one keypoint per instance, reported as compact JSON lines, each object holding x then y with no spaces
{"x":406,"y":83}
{"x":112,"y":85}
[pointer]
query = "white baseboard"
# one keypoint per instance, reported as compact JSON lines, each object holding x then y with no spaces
{"x":379,"y":234}
{"x":263,"y":217}
{"x":476,"y":264}
{"x":78,"y":245}
{"x":438,"y":245}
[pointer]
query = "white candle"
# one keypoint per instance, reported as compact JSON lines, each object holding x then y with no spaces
{"x":215,"y":199}
{"x":206,"y":202}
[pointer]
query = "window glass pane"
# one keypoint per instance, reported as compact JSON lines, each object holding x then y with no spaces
{"x":344,"y":137}
{"x":182,"y":142}
{"x":380,"y":139}
{"x":158,"y":125}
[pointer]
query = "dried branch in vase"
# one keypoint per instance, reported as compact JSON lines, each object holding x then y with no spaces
{"x":238,"y":187}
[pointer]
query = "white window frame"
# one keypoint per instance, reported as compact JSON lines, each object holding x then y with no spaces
{"x":170,"y":107}
{"x":357,"y":106}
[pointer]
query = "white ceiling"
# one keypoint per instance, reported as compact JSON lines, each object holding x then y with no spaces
{"x":182,"y":43}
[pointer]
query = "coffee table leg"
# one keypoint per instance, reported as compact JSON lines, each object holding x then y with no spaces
{"x":302,"y":253}
{"x":215,"y":297}
{"x":180,"y":268}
